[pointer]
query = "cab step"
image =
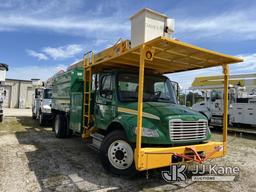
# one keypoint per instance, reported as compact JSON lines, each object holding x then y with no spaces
{"x":96,"y":140}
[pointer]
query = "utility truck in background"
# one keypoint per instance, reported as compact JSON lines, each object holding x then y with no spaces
{"x":121,"y":103}
{"x":41,"y":104}
{"x":3,"y":69}
{"x":242,"y":99}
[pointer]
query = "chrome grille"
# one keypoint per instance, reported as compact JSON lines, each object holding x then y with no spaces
{"x":187,"y":130}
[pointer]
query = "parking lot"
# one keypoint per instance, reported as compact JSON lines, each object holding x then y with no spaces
{"x":32,"y":159}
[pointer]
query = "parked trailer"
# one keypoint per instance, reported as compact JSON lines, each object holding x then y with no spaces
{"x":120,"y":100}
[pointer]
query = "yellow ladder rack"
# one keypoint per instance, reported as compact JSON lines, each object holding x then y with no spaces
{"x":88,"y":61}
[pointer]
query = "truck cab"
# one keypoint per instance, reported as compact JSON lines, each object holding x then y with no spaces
{"x":116,"y":99}
{"x":41,"y":108}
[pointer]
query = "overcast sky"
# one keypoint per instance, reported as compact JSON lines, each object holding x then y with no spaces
{"x":40,"y":37}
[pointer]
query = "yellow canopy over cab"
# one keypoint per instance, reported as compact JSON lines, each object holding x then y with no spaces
{"x":163,"y":55}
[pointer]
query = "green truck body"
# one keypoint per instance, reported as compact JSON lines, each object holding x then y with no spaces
{"x":111,"y":113}
{"x":67,"y":96}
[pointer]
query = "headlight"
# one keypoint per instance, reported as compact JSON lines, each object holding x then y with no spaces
{"x":147,"y":132}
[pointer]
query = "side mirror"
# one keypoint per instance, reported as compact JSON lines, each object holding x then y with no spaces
{"x":175,"y":86}
{"x":108,"y":94}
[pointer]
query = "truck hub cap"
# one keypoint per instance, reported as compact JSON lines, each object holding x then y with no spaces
{"x":120,"y":154}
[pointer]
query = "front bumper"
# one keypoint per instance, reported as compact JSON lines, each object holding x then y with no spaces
{"x":151,"y":158}
{"x":47,"y":115}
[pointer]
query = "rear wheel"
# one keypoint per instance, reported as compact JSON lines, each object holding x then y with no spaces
{"x":41,"y":119}
{"x":117,"y":154}
{"x":60,"y":126}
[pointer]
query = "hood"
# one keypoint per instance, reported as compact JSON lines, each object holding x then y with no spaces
{"x":164,"y":110}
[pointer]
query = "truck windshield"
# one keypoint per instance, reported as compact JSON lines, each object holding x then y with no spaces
{"x":47,"y":94}
{"x":156,"y":88}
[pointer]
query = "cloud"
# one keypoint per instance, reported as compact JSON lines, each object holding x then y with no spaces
{"x":39,"y":56}
{"x":67,"y":17}
{"x":57,"y":53}
{"x":109,"y":20}
{"x":249,"y":64}
{"x":68,"y":25}
{"x":4,"y":29}
{"x":238,"y":25}
{"x":63,"y":52}
{"x":31,"y":71}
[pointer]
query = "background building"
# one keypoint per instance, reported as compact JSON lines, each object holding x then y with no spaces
{"x":18,"y":93}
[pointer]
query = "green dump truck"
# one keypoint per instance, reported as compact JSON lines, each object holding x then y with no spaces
{"x":67,"y":102}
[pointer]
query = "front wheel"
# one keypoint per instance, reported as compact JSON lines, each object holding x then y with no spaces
{"x":117,"y":154}
{"x":33,"y":116}
{"x":41,"y":119}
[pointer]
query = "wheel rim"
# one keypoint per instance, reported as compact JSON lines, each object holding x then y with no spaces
{"x":120,"y":154}
{"x":56,"y":125}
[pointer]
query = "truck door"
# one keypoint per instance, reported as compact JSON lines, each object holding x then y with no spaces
{"x":37,"y":101}
{"x":217,"y":102}
{"x":104,"y":110}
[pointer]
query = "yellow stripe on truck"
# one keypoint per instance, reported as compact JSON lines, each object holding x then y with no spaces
{"x":135,"y":112}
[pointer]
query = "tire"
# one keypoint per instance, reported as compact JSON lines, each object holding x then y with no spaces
{"x":69,"y":133}
{"x":33,"y":116}
{"x":1,"y":118}
{"x":41,"y":119}
{"x":60,"y":126}
{"x":117,"y":154}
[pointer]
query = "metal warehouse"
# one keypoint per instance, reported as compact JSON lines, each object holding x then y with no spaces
{"x":18,"y":93}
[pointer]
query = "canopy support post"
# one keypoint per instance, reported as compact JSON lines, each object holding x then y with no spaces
{"x":225,"y":107}
{"x":138,"y":154}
